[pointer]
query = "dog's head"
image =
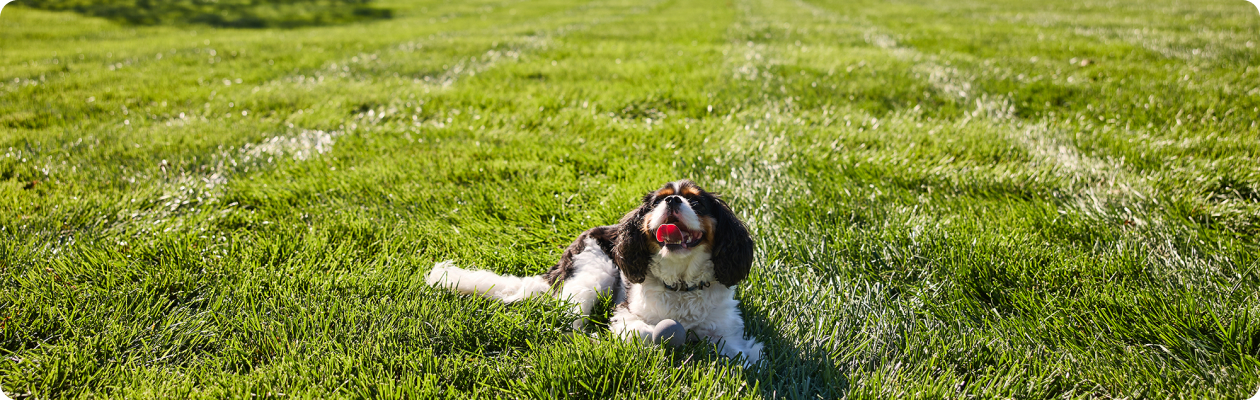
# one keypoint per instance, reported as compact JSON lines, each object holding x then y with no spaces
{"x":677,"y":221}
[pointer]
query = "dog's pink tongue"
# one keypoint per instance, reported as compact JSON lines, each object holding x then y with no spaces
{"x":669,"y":233}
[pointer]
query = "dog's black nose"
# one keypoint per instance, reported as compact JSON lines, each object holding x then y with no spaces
{"x":673,"y":200}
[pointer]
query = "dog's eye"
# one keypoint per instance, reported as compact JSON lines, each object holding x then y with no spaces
{"x":696,"y":205}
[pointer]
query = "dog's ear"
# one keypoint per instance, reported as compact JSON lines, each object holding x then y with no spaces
{"x":732,"y":245}
{"x":633,"y":251}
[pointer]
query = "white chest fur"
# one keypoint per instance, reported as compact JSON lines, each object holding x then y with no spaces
{"x":688,"y":269}
{"x":705,"y":311}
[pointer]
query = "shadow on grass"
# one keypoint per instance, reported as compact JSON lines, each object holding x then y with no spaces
{"x":790,"y":371}
{"x":226,"y":14}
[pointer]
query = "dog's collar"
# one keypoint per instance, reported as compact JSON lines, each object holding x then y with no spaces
{"x":687,"y":288}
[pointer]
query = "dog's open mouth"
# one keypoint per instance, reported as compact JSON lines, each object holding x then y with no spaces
{"x":673,"y":237}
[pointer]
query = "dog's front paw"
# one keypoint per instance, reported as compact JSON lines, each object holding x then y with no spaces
{"x":669,"y":332}
{"x":753,"y":355}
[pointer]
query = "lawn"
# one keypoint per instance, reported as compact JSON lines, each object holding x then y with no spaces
{"x":951,"y":199}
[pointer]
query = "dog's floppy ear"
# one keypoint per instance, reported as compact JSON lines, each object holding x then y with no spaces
{"x":732,"y":245}
{"x":633,"y":252}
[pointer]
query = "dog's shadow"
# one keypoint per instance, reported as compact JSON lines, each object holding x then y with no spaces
{"x":789,"y":371}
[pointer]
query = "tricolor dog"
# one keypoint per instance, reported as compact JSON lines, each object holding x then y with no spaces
{"x":671,"y":264}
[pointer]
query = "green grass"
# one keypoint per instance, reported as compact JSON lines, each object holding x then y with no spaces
{"x":948,"y":200}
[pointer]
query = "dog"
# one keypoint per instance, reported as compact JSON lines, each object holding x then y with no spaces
{"x":671,"y":264}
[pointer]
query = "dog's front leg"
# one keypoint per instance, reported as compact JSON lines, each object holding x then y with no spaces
{"x":735,"y":345}
{"x":751,"y":349}
{"x":629,"y":326}
{"x":730,"y":338}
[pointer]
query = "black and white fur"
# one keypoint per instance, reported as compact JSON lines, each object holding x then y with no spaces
{"x":654,"y":284}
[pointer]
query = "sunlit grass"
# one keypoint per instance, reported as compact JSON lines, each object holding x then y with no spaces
{"x":951,"y":199}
